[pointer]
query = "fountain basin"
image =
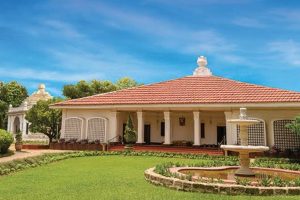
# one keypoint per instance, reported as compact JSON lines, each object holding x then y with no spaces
{"x":227,"y":174}
{"x":249,"y":148}
{"x":226,"y":187}
{"x":245,"y":122}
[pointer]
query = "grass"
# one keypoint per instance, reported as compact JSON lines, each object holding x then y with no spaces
{"x":102,"y":177}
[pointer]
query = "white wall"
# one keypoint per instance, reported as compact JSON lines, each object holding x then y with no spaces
{"x":211,"y":120}
{"x":269,"y":116}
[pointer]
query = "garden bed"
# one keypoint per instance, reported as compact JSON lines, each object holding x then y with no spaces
{"x":35,"y":146}
{"x":76,"y":146}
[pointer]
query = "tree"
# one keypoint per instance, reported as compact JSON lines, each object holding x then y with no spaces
{"x":99,"y":87}
{"x":295,"y":126}
{"x":126,"y":82}
{"x":10,"y":93}
{"x":130,"y":133}
{"x":45,"y":120}
{"x":81,"y":89}
{"x":84,"y":88}
{"x":13,"y":93}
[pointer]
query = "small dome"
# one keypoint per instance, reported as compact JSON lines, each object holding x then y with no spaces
{"x":42,"y":86}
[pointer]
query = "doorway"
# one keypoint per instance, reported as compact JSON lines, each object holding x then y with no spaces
{"x":221,"y":135}
{"x":147,"y":133}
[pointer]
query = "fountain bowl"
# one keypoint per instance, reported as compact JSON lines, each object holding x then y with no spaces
{"x":249,"y":148}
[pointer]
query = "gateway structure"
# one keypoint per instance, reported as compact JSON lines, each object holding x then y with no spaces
{"x":193,"y":109}
{"x":16,"y":115}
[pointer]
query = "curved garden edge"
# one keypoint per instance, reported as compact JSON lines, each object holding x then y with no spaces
{"x":190,"y":186}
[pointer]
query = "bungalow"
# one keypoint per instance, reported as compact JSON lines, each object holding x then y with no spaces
{"x":191,"y":109}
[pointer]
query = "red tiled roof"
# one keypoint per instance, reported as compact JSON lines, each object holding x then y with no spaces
{"x":191,"y":90}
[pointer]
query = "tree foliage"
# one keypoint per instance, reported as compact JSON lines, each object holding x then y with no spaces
{"x":13,"y":93}
{"x":295,"y":126}
{"x":130,"y":133}
{"x":84,"y":88}
{"x":125,"y":83}
{"x":10,"y":93}
{"x":44,"y":119}
{"x":6,"y":139}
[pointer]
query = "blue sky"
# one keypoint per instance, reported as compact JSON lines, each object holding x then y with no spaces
{"x":59,"y":42}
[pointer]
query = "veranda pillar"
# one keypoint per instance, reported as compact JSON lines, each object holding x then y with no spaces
{"x":140,"y":134}
{"x":167,"y":128}
{"x":197,"y":129}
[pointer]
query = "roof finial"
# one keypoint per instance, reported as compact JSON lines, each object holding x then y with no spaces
{"x":41,"y":88}
{"x":202,"y":69}
{"x":202,"y":61}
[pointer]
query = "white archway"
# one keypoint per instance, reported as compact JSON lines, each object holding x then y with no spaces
{"x":284,"y":138}
{"x":73,"y":128}
{"x":16,"y":125}
{"x":257,"y":134}
{"x":96,"y":129}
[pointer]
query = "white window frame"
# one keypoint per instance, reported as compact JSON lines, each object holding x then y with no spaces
{"x":105,"y":129}
{"x":82,"y":124}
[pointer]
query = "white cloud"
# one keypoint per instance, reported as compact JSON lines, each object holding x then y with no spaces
{"x":286,"y":52}
{"x":248,"y":22}
{"x":44,"y":75}
{"x":62,"y":28}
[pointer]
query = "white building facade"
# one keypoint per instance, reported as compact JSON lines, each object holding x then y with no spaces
{"x":193,"y":109}
{"x":16,"y":115}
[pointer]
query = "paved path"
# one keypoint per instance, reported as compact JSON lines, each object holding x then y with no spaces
{"x":27,"y":153}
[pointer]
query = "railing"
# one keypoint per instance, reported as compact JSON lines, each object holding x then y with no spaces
{"x":109,"y":141}
{"x":222,"y":141}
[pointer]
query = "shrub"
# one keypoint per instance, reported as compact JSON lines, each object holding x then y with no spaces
{"x":242,"y":181}
{"x":6,"y":139}
{"x":265,"y":181}
{"x":18,"y":137}
{"x":130,"y":134}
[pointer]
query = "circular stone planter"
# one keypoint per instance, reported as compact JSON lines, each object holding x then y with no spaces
{"x":222,"y":188}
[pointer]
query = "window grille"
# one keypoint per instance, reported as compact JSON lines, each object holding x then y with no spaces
{"x":284,"y":138}
{"x":256,"y":135}
{"x":96,"y":129}
{"x":73,"y":128}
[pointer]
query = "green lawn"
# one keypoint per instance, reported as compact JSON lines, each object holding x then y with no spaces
{"x":106,"y":177}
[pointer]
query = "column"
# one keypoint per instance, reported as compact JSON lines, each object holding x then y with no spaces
{"x":9,"y":124}
{"x":229,"y":129}
{"x":197,"y":128}
{"x":140,"y":120}
{"x":63,"y":124}
{"x":114,"y":124}
{"x":167,"y":128}
{"x":23,"y":125}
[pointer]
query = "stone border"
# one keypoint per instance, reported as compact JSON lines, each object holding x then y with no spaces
{"x":190,"y":186}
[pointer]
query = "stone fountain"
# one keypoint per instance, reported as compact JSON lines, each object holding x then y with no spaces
{"x":244,"y":149}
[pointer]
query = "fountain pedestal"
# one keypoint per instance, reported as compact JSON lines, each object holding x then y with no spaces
{"x":244,"y":149}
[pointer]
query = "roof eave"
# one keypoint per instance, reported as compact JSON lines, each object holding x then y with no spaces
{"x":207,"y":105}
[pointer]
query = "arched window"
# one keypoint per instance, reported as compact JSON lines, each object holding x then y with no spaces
{"x":96,"y":129}
{"x":284,"y":138}
{"x":256,"y":135}
{"x":73,"y":128}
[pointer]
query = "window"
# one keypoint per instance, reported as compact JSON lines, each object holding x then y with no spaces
{"x":162,"y":129}
{"x":202,"y":130}
{"x":96,"y":129}
{"x":73,"y":128}
{"x":284,"y":138}
{"x":27,"y":128}
{"x":256,"y":135}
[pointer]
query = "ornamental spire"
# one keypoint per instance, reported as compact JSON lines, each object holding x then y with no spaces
{"x":202,"y":69}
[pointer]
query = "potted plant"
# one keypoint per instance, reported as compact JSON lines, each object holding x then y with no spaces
{"x":129,"y":134}
{"x":18,"y":144}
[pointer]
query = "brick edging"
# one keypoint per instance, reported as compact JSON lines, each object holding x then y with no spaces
{"x":190,"y":186}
